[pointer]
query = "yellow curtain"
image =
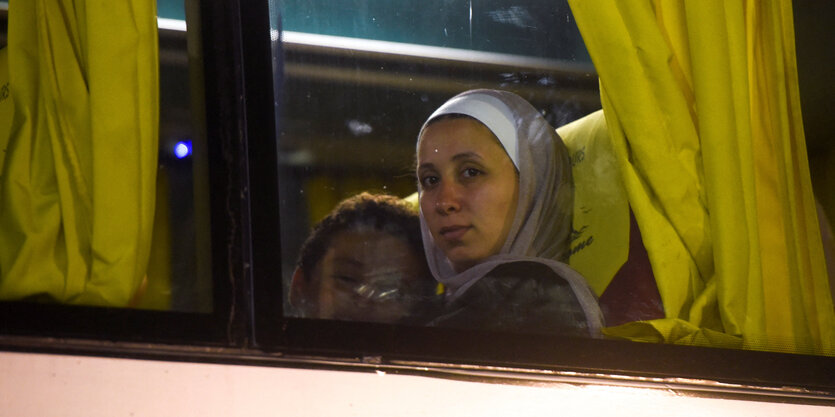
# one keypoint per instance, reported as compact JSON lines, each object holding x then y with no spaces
{"x":702,"y":106}
{"x":77,"y":197}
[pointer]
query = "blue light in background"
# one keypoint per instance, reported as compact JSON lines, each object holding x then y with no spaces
{"x":182,"y":149}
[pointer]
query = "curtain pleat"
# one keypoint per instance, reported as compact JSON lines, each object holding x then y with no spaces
{"x":79,"y":172}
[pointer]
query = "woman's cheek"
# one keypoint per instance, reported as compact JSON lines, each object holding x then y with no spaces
{"x":428,"y":213}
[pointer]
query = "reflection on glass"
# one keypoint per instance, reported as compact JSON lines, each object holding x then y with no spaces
{"x":522,"y":27}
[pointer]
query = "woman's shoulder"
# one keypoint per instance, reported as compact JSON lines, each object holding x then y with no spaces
{"x":520,"y":296}
{"x":526,"y":285}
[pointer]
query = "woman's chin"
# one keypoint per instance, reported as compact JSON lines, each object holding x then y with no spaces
{"x":461,"y":264}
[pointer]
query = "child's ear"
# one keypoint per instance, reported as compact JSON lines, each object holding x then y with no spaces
{"x":300,"y":293}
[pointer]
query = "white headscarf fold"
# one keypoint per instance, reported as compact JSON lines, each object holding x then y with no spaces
{"x":541,"y":227}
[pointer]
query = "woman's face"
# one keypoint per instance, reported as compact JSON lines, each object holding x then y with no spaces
{"x":469,"y":190}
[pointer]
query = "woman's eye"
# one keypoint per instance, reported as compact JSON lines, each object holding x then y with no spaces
{"x":471,"y":172}
{"x":428,"y":181}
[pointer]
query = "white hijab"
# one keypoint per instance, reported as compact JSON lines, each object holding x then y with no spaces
{"x":542,"y":225}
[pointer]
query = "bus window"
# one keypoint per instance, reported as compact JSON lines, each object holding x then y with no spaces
{"x":131,"y":234}
{"x":152,"y":250}
{"x":359,"y":82}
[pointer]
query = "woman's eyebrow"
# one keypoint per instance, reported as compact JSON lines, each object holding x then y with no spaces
{"x":466,"y":155}
{"x":426,"y":165}
{"x":456,"y":157}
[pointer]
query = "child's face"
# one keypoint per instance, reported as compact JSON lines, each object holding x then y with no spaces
{"x":369,"y":275}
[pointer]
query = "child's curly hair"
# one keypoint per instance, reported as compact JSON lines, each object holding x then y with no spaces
{"x":381,"y":212}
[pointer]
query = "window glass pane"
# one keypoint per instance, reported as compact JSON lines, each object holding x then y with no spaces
{"x":184,"y":159}
{"x":527,"y":27}
{"x":359,"y":81}
{"x":358,"y":85}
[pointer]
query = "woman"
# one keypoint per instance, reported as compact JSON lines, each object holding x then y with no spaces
{"x":495,"y":208}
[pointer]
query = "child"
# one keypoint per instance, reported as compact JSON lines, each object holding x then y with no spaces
{"x":364,"y":262}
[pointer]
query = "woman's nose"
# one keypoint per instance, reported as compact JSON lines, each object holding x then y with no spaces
{"x":448,"y":199}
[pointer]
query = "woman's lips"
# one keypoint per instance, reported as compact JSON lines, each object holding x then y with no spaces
{"x":453,"y":232}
